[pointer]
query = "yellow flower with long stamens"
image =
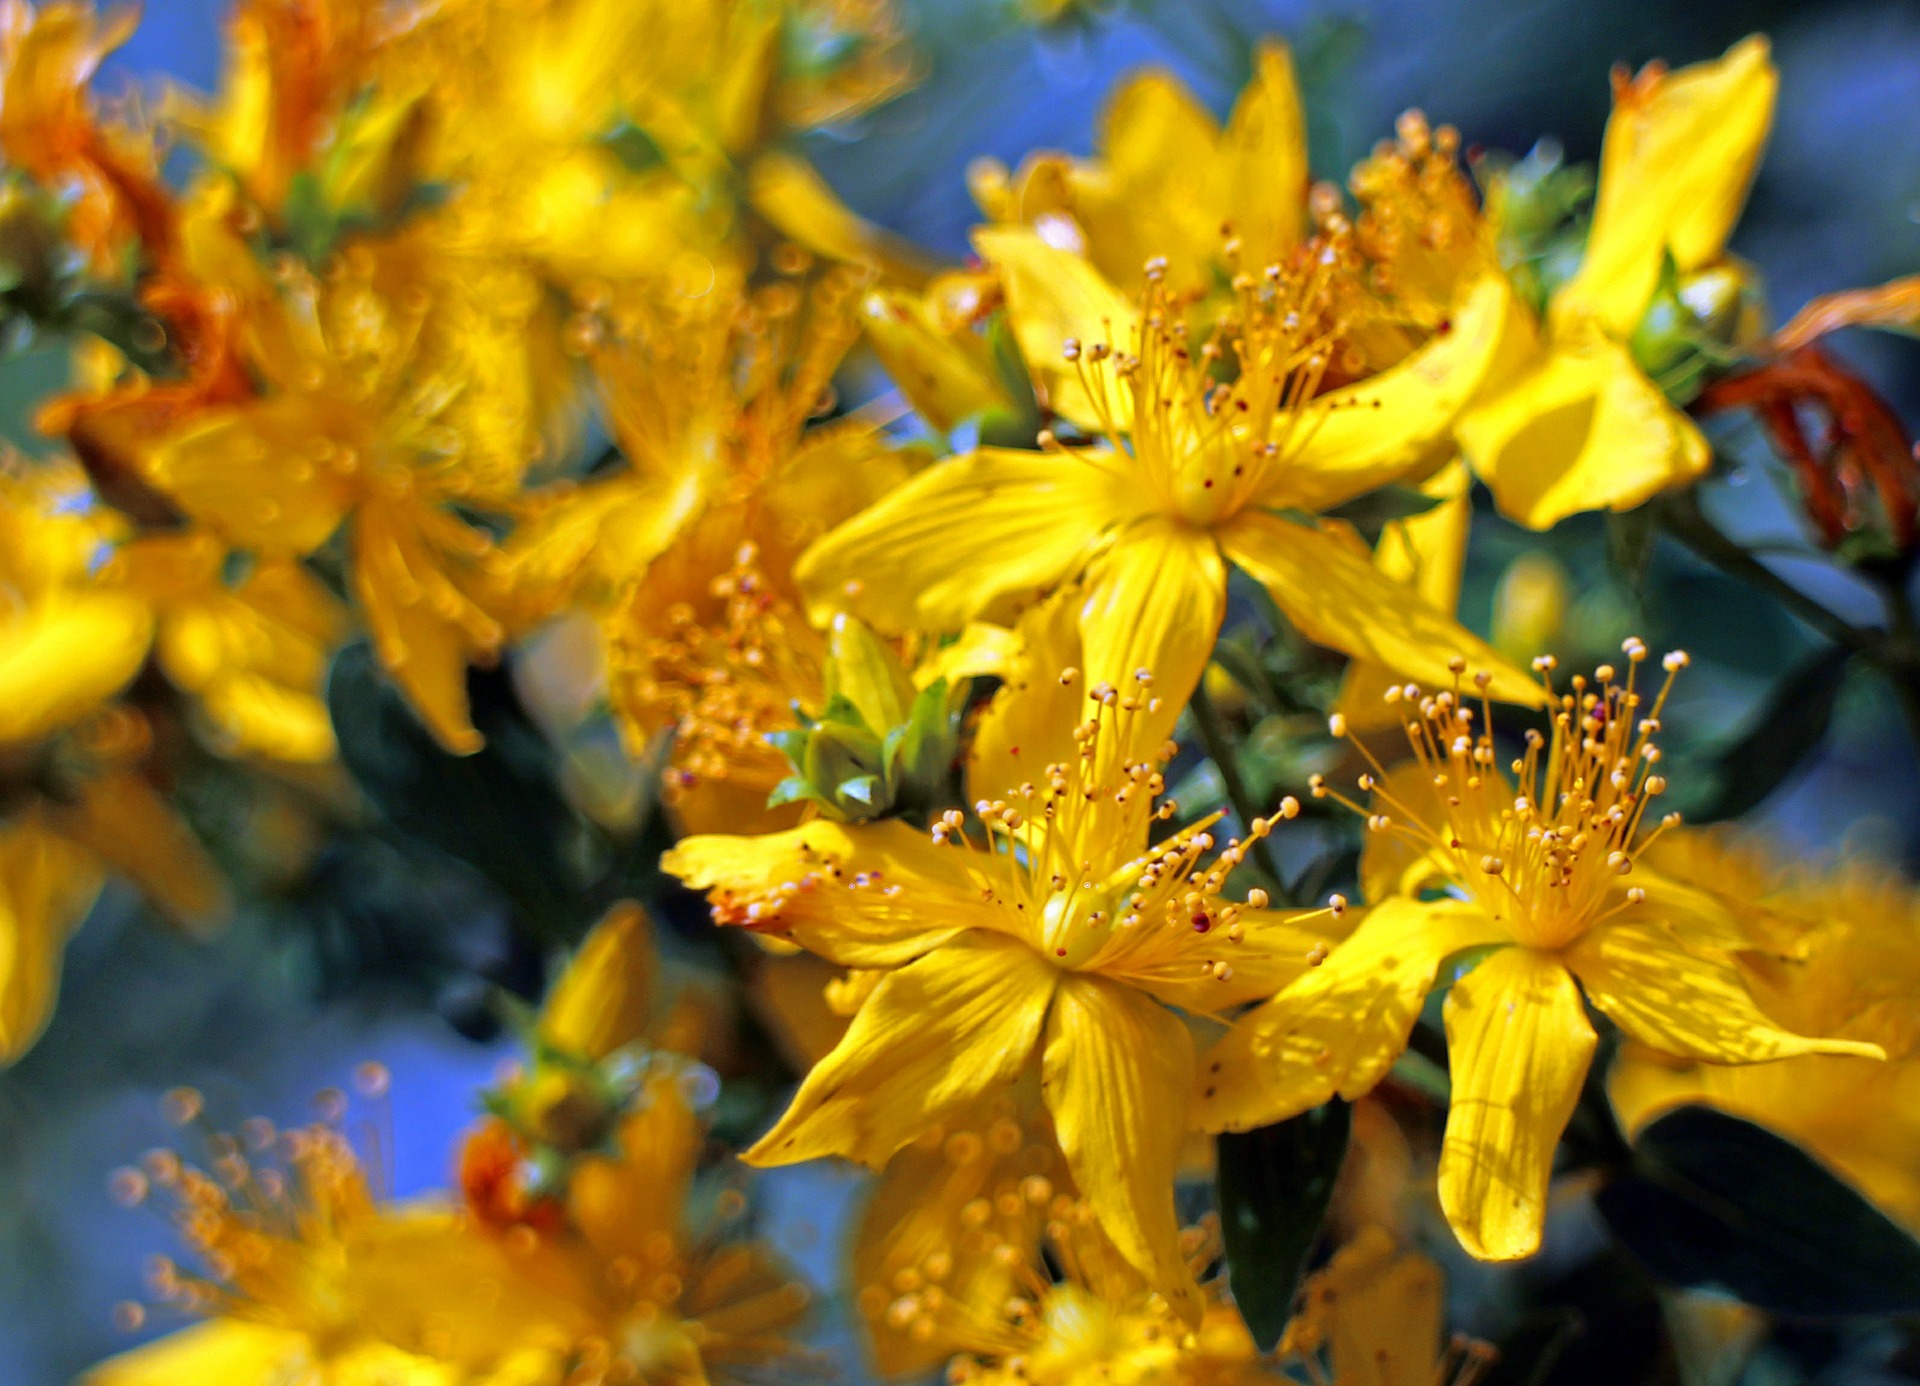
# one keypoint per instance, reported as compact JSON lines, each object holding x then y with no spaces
{"x":1193,"y":472}
{"x":1532,"y":890}
{"x":1080,"y":1313}
{"x":1576,"y":424}
{"x":309,"y":1274}
{"x":1859,"y":977}
{"x":1056,"y":938}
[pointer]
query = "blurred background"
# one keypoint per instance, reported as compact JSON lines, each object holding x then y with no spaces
{"x":389,"y":952}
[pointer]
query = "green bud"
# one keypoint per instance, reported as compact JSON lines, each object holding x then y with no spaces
{"x":1693,"y":325}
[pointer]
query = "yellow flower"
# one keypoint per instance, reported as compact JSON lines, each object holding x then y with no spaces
{"x":70,"y":755}
{"x":1379,"y":1314}
{"x":1057,"y":941}
{"x":683,"y":557}
{"x":1023,"y":1285}
{"x":1193,"y":473}
{"x":1575,"y":424}
{"x":1860,"y":977}
{"x":372,"y":409}
{"x":932,"y":350}
{"x":309,"y":1275}
{"x":1546,"y":895}
{"x":253,"y":652}
{"x":1167,"y":180}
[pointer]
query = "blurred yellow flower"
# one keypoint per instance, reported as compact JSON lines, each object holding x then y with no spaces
{"x":1167,"y":180}
{"x":1545,"y":896}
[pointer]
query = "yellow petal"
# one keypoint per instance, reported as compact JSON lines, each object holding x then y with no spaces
{"x":1351,"y":440}
{"x":1179,"y":965}
{"x":214,"y":468}
{"x":62,"y":658}
{"x":1427,"y":552}
{"x":1894,"y":305}
{"x":798,"y":885}
{"x":1054,"y":296}
{"x":220,"y":1350}
{"x":1264,"y":155}
{"x":947,"y":377}
{"x":1684,"y":1002}
{"x":934,"y":1036}
{"x":1029,"y":724}
{"x":1118,"y":1075}
{"x":1340,"y":1027}
{"x":1678,"y":156}
{"x":867,"y":674}
{"x":1328,"y":587}
{"x":790,"y":193}
{"x":1153,"y":602}
{"x":47,"y":885}
{"x":1518,"y":1045}
{"x":1153,"y":190}
{"x":425,"y":628}
{"x":605,"y":997}
{"x":1582,"y":430}
{"x":627,"y":1203}
{"x":1860,"y":1117}
{"x":962,"y":540}
{"x":256,"y":716}
{"x":130,"y":826}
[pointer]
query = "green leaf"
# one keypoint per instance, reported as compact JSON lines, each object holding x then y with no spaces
{"x":1274,"y":1185}
{"x":1710,"y":1200}
{"x":1784,"y":732}
{"x":636,"y":150}
{"x":499,"y":810}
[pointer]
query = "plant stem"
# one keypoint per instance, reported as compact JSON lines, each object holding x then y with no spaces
{"x":1213,"y":737}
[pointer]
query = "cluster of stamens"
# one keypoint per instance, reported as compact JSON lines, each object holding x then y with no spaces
{"x":1209,"y":420}
{"x":1543,"y":852}
{"x":264,"y":1213}
{"x":724,"y":683}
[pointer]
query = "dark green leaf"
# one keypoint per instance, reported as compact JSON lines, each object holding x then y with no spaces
{"x":1713,"y":1201}
{"x":1785,"y":731}
{"x":1274,"y":1186}
{"x":498,"y":810}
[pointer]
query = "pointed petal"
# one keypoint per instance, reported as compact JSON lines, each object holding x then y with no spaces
{"x":1679,"y":154}
{"x":1054,"y":295}
{"x":1265,"y":157}
{"x":62,"y":658}
{"x":1693,"y":1004}
{"x":1351,"y":440}
{"x":1327,"y":585}
{"x":214,"y":467}
{"x":1178,"y":965}
{"x":1518,"y":1046}
{"x":605,"y":997}
{"x":1118,"y":1075}
{"x":966,"y":538}
{"x":129,"y":825}
{"x":861,"y":895}
{"x":47,"y":884}
{"x":1153,"y":602}
{"x":1340,"y":1027}
{"x":1582,"y":430}
{"x":934,"y":1036}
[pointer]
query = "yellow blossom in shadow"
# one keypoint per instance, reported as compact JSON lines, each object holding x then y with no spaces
{"x":1859,"y":976}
